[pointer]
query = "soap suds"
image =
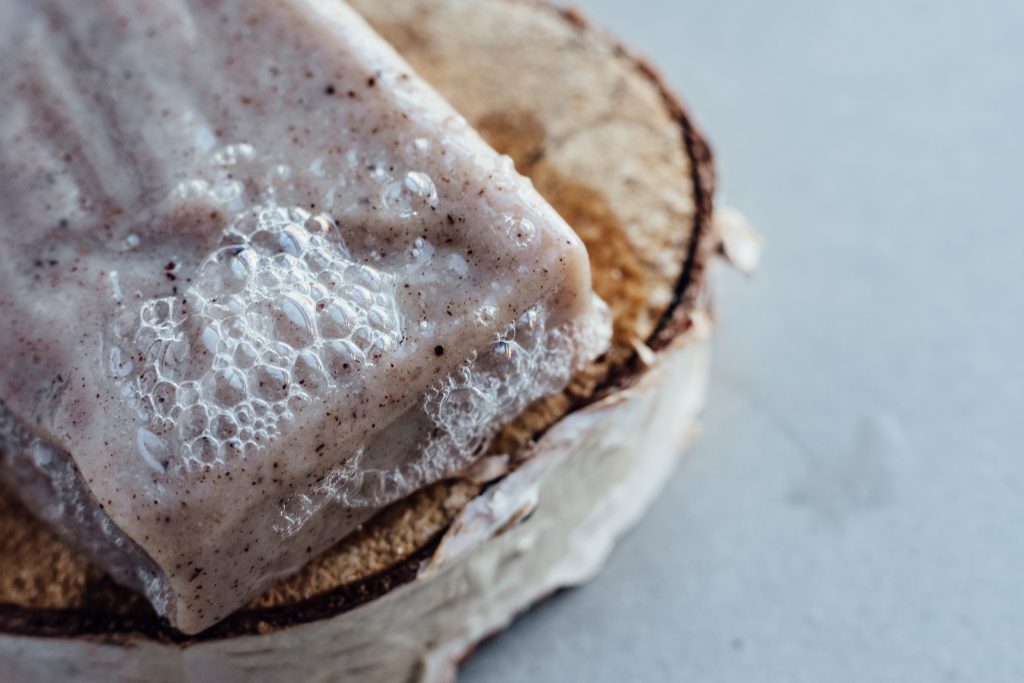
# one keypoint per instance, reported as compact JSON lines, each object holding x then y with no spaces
{"x":278,"y":315}
{"x":527,"y":361}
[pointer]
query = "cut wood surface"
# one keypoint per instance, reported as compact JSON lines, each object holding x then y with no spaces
{"x":607,"y":144}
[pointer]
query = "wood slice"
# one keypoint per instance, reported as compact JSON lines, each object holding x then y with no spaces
{"x":408,"y":596}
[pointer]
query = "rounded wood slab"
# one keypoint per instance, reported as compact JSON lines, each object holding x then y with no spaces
{"x":410,"y":595}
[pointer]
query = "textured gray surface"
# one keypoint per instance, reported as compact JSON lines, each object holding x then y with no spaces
{"x":854,"y":509}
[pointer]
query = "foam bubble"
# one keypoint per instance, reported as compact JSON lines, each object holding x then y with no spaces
{"x":521,"y":231}
{"x":410,"y":195}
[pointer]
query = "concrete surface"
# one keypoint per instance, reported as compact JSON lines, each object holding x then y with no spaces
{"x":854,"y":509}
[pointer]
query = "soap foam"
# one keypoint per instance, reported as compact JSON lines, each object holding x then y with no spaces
{"x":279,"y":313}
{"x":529,"y":360}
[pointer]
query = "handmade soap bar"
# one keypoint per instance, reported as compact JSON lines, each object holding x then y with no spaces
{"x":257,"y":281}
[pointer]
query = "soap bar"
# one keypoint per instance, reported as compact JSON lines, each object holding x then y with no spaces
{"x":257,"y":281}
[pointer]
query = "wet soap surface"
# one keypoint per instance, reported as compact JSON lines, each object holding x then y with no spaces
{"x":258,"y":282}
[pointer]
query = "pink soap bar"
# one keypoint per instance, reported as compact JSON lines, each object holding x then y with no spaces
{"x":257,"y":281}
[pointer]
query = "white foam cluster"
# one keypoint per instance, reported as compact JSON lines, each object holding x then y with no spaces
{"x":529,"y":360}
{"x":279,"y":314}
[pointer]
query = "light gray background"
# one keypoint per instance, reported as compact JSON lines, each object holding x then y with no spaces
{"x":854,"y":510}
